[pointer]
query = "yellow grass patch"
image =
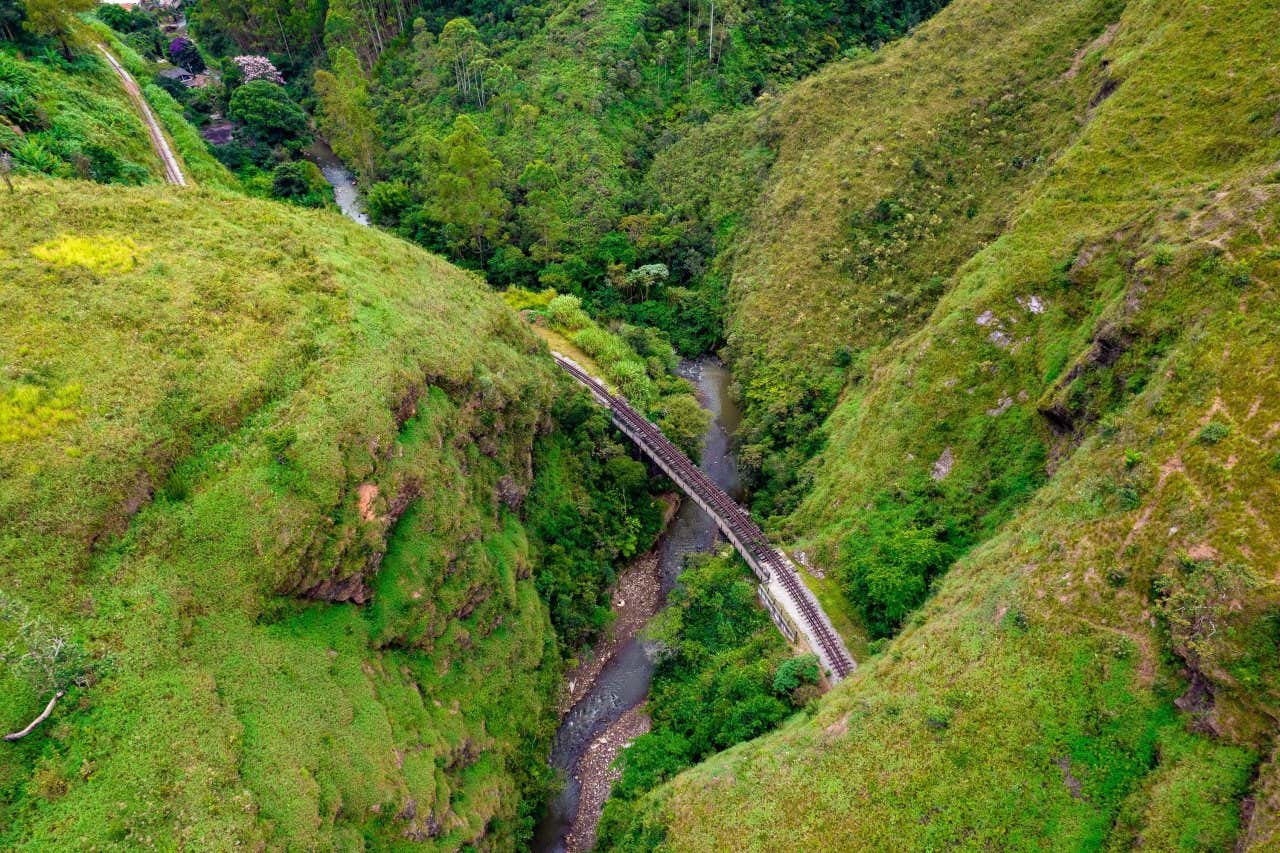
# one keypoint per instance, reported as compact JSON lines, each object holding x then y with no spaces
{"x":29,"y":411}
{"x":100,"y":254}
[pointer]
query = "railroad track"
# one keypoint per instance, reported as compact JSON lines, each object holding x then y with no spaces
{"x":169,"y":160}
{"x":749,"y":537}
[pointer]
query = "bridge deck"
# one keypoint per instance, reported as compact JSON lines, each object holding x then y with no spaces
{"x":779,"y":579}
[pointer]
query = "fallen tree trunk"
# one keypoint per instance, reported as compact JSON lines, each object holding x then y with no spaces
{"x":44,"y":715}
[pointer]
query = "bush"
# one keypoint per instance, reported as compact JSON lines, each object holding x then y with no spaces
{"x":387,"y":202}
{"x":565,"y":312}
{"x":125,"y":21}
{"x":651,"y":760}
{"x":32,"y":156}
{"x":633,"y":381}
{"x":887,"y":570}
{"x":202,"y":103}
{"x":21,"y":109}
{"x":244,"y":153}
{"x":301,"y":182}
{"x":107,"y":167}
{"x":176,"y":88}
{"x":795,"y":672}
{"x":1213,"y":433}
{"x":684,"y":422}
{"x":146,"y":44}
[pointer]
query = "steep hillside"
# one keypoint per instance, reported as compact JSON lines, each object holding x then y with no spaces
{"x":1045,"y":236}
{"x":225,"y":423}
{"x":890,"y":173}
{"x":73,"y":118}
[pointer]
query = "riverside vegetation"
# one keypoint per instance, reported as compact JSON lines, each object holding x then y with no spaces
{"x":302,"y":522}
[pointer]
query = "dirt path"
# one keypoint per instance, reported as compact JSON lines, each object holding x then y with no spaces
{"x":172,"y":169}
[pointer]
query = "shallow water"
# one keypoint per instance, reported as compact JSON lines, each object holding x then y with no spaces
{"x":340,"y":178}
{"x":624,"y":682}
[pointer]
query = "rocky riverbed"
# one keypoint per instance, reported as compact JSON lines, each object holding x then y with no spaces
{"x":637,"y":596}
{"x":602,"y":704}
{"x":596,"y":775}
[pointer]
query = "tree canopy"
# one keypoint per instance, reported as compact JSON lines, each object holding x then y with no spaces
{"x":56,"y":18}
{"x":465,"y":188}
{"x":269,"y":115}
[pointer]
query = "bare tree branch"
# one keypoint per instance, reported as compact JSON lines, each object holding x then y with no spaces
{"x":44,"y":715}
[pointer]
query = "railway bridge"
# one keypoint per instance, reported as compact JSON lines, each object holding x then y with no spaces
{"x":793,"y":607}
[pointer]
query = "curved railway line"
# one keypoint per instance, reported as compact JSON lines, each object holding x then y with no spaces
{"x":768,"y":563}
{"x":172,"y":168}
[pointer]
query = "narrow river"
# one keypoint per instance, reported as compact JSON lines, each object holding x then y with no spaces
{"x":623,"y":684}
{"x":340,"y":178}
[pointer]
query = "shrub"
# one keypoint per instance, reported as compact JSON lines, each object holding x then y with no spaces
{"x":1213,"y":433}
{"x":147,"y":44}
{"x":795,"y":672}
{"x":651,"y":760}
{"x":887,"y":572}
{"x":1240,"y":275}
{"x":633,"y":381}
{"x":32,"y":156}
{"x":12,"y":73}
{"x":685,"y":422}
{"x":176,"y":88}
{"x":202,"y":103}
{"x":387,"y":202}
{"x":565,"y":312}
{"x":300,"y":182}
{"x":21,"y":109}
{"x":123,"y":20}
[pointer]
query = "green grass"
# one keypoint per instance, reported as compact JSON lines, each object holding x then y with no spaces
{"x":227,"y":415}
{"x":1112,"y":446}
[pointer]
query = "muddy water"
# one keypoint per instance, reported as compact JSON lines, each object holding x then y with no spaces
{"x":340,"y":178}
{"x":624,"y":682}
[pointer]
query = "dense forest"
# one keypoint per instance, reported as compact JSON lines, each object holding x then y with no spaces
{"x":524,"y":140}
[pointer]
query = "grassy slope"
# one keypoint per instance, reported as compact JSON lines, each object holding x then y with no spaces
{"x":1050,"y":656}
{"x":193,"y":388}
{"x":86,"y":104}
{"x":950,"y":125}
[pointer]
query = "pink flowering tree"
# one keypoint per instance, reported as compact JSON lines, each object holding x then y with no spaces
{"x":258,"y":68}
